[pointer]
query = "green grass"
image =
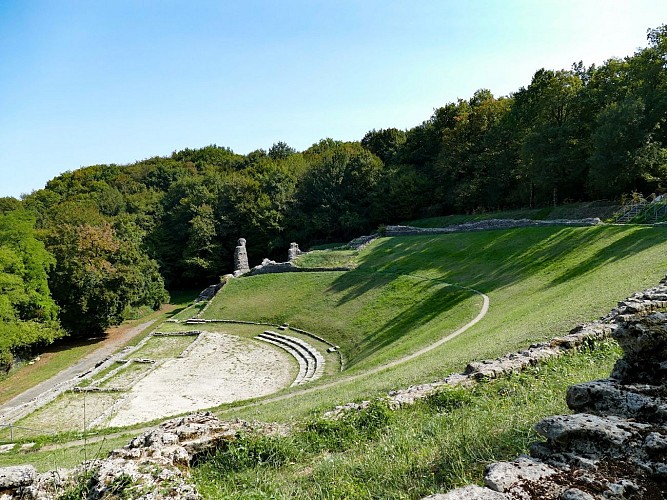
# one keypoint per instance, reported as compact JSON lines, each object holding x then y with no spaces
{"x":127,"y":376}
{"x":541,"y":281}
{"x":46,"y":458}
{"x":390,"y":316}
{"x":162,"y":347}
{"x":434,"y":446}
{"x":328,"y":258}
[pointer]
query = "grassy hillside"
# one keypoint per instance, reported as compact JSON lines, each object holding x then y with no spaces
{"x":541,"y":282}
{"x":408,"y":292}
{"x":435,"y":446}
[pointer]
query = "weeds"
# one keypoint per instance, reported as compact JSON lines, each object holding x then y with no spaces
{"x":377,"y":453}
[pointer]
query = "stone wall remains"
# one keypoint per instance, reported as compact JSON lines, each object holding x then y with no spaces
{"x":486,"y":225}
{"x":614,"y":446}
{"x":271,"y":267}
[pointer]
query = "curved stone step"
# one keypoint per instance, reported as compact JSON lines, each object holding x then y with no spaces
{"x":305,"y":354}
{"x":299,"y":352}
{"x":295,"y":354}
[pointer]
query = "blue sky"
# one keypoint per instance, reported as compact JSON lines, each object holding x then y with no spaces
{"x":89,"y":82}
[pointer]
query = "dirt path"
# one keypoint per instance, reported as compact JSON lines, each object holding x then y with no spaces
{"x":107,"y":347}
{"x":396,"y":362}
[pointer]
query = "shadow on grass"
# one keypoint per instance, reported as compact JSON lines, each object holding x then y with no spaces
{"x":639,"y":240}
{"x":484,"y":261}
{"x":441,"y":299}
{"x":67,"y":343}
{"x":508,"y":256}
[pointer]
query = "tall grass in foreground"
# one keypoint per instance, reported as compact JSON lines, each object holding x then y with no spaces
{"x":436,"y":445}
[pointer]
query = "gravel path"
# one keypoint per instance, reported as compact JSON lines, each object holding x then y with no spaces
{"x":219,"y":369}
{"x":108,"y":346}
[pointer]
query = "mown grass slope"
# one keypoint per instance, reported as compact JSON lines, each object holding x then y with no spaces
{"x":406,"y":290}
{"x":541,"y":283}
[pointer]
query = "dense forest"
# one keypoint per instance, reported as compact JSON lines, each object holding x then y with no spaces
{"x":94,"y":244}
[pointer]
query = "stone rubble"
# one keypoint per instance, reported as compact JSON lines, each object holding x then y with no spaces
{"x":615,"y":444}
{"x":485,"y":225}
{"x":154,"y":464}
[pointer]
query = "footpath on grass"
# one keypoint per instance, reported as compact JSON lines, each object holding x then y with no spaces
{"x":572,"y":459}
{"x":343,"y":380}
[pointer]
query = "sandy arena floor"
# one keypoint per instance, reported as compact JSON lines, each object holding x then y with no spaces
{"x":219,"y":369}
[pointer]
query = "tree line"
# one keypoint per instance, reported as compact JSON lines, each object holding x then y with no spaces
{"x":80,"y":254}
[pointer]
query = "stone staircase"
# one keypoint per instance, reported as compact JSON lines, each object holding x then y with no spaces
{"x":631,"y":211}
{"x":646,"y":212}
{"x":311,"y":362}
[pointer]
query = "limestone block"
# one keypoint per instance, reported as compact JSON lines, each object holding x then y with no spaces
{"x":17,"y":476}
{"x":591,"y":435}
{"x":472,"y":492}
{"x":575,"y":494}
{"x":608,"y":397}
{"x":646,"y":336}
{"x":502,"y":476}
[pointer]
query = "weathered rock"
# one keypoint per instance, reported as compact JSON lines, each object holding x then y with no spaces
{"x":644,"y":335}
{"x":590,"y":435}
{"x":241,"y":258}
{"x":504,"y":476}
{"x":362,"y":241}
{"x":209,"y":292}
{"x":16,"y":476}
{"x":608,"y":397}
{"x":472,"y":492}
{"x":293,"y":252}
{"x":272,"y":267}
{"x":153,"y":465}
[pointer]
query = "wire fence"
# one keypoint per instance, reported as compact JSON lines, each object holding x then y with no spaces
{"x":11,"y":428}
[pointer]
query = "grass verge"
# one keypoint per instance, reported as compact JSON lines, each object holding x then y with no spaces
{"x":433,"y":446}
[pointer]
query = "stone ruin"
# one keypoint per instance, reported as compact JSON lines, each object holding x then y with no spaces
{"x":293,"y":252}
{"x":615,"y":444}
{"x":156,"y":462}
{"x":271,"y":266}
{"x":241,"y":258}
{"x":486,"y":225}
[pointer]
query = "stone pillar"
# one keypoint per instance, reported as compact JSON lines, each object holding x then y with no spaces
{"x":241,"y":258}
{"x":293,"y":252}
